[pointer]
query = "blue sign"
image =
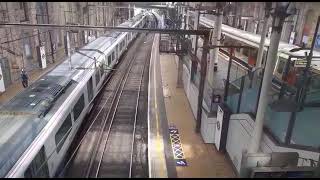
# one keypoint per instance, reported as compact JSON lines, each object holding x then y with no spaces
{"x":181,"y":162}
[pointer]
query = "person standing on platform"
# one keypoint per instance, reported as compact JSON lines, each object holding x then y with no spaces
{"x":24,"y":78}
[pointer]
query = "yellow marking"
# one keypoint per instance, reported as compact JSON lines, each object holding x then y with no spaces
{"x":159,"y":142}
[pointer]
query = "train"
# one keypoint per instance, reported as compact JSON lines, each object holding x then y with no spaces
{"x":288,"y":62}
{"x":39,"y":124}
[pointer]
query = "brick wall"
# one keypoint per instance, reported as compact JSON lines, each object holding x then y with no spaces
{"x":13,"y":44}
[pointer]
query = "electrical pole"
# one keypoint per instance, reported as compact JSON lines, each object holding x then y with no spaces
{"x":279,"y":15}
{"x":263,"y":34}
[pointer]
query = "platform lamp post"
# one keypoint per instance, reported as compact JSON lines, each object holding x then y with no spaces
{"x":279,"y":14}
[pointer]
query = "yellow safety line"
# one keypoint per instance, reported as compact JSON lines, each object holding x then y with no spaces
{"x":159,"y":142}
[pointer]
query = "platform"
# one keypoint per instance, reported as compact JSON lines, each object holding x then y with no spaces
{"x":173,"y":111}
{"x":16,"y":86}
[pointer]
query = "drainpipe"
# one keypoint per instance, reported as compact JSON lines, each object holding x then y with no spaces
{"x":279,"y":16}
{"x":263,"y":34}
{"x":50,"y":35}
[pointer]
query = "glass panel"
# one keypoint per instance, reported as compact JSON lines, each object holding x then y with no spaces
{"x":313,"y":94}
{"x":78,"y":107}
{"x":277,"y":123}
{"x":109,"y":60}
{"x":250,"y":92}
{"x":63,"y":132}
{"x":97,"y":77}
{"x":306,"y":127}
{"x":281,"y":64}
{"x":33,"y":169}
{"x":101,"y":70}
{"x":233,"y":95}
{"x":90,"y":89}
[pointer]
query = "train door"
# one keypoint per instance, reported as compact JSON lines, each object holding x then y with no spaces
{"x":109,"y":60}
{"x":38,"y":166}
{"x":117,"y":50}
{"x":97,"y":75}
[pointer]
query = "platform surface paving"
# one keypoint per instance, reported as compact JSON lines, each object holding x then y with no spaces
{"x":203,"y":160}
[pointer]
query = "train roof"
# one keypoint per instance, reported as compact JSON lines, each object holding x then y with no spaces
{"x":23,"y":117}
{"x":254,"y":39}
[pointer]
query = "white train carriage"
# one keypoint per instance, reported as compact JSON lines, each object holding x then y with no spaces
{"x":38,"y":125}
{"x":239,"y":37}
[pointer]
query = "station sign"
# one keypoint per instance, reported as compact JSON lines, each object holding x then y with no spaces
{"x":299,"y":62}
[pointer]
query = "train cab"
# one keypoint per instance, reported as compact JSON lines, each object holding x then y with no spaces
{"x":290,"y":66}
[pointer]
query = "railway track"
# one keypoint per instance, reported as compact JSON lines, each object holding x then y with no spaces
{"x":111,"y":143}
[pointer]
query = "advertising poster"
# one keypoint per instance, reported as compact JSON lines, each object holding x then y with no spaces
{"x":43,"y":57}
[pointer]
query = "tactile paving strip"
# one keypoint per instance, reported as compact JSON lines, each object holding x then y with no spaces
{"x":177,"y":147}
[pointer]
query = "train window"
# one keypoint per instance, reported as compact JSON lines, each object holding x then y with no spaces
{"x":109,"y":60}
{"x":97,"y":77}
{"x":281,"y":65}
{"x":121,"y":46}
{"x":63,"y":132}
{"x":38,"y":162}
{"x":90,"y":89}
{"x":78,"y":107}
{"x":113,"y":56}
{"x":101,"y":70}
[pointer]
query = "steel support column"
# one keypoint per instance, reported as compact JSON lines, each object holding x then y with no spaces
{"x":216,"y":36}
{"x":180,"y":71}
{"x":203,"y":72}
{"x":263,"y":34}
{"x":89,"y":27}
{"x":129,"y":11}
{"x":279,"y":16}
{"x":195,"y":27}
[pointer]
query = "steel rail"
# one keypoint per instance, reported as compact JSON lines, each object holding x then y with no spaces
{"x":125,"y":75}
{"x":96,"y":117}
{"x":112,"y":118}
{"x":135,"y":121}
